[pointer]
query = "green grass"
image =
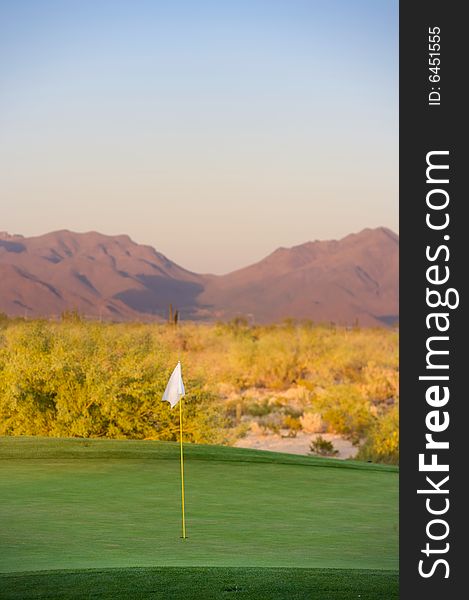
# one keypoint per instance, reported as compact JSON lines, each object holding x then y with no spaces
{"x":203,"y":584}
{"x":70,"y":505}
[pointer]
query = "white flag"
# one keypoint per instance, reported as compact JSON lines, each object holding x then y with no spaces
{"x":175,"y":389}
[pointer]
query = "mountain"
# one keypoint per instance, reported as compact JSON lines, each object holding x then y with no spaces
{"x":112,"y":277}
{"x":104,"y":276}
{"x":341,"y":281}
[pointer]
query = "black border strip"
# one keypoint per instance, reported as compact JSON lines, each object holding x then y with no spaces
{"x":425,"y":128}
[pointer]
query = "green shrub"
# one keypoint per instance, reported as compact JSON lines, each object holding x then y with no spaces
{"x":322,"y":447}
{"x":258,"y":409}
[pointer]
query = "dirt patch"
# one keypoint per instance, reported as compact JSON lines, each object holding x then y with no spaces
{"x":295,"y":445}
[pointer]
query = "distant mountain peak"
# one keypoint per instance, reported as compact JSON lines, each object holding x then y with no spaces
{"x":4,"y":235}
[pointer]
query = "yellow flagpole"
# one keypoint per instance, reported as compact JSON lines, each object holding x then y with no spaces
{"x":182,"y":473}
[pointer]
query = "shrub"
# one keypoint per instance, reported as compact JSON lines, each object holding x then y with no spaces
{"x":312,"y":422}
{"x":292,"y":424}
{"x":258,"y":409}
{"x":346,"y":411}
{"x":323,"y":447}
{"x":382,"y":443}
{"x":272,"y":422}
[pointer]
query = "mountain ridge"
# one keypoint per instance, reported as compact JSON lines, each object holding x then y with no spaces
{"x":113,"y":277}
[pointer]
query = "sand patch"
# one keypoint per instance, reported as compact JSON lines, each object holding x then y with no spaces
{"x":295,"y":445}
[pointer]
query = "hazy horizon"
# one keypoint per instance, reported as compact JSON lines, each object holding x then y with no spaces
{"x":214,"y":132}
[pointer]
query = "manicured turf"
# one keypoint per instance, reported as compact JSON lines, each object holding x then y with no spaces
{"x":203,"y":584}
{"x":110,"y":505}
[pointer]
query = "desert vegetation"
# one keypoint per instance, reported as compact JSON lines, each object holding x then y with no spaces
{"x":86,"y":379}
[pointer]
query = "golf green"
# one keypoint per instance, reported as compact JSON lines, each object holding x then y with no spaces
{"x":73,"y":504}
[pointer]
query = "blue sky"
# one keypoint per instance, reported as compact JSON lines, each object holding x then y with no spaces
{"x":214,"y":131}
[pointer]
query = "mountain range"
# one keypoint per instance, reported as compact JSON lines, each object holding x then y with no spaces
{"x":112,"y":277}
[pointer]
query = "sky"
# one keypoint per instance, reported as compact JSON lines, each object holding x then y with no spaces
{"x":215,"y":131}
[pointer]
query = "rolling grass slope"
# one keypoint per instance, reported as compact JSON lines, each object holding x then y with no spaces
{"x":70,"y":505}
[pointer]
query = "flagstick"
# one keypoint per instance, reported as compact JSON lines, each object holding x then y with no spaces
{"x":182,"y":473}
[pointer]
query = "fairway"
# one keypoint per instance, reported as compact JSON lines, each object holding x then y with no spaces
{"x":74,"y":504}
{"x":192,"y":583}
